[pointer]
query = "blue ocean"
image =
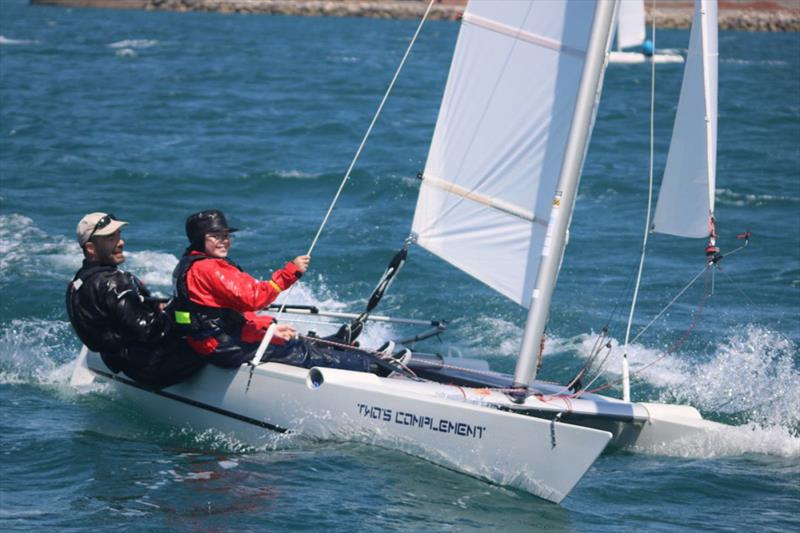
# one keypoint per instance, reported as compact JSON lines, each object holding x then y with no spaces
{"x":155,"y":115}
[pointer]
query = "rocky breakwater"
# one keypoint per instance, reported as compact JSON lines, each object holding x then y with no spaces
{"x":742,"y":15}
{"x":450,"y":10}
{"x":747,"y":15}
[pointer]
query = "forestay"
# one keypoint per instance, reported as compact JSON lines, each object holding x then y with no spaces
{"x":630,"y":23}
{"x":498,"y":148}
{"x":686,"y":199}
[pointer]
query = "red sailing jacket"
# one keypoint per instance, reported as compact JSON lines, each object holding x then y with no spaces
{"x":217,"y":283}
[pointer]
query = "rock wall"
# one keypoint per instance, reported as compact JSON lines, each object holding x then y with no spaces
{"x":747,"y":15}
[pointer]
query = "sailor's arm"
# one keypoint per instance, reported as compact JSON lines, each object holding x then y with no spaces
{"x":139,"y":320}
{"x":220,"y":284}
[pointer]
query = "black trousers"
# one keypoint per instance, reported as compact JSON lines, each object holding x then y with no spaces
{"x":157,"y":366}
{"x":232,"y":353}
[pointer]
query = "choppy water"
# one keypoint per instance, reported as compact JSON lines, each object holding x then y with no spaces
{"x":155,"y":115}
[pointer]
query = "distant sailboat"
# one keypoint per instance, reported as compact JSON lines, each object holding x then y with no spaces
{"x":632,"y":45}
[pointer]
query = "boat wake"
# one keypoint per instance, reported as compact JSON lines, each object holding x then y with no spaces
{"x":37,"y":352}
{"x":751,"y":381}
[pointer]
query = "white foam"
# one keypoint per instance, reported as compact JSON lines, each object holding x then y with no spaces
{"x":153,"y":268}
{"x":52,"y":256}
{"x":727,"y":196}
{"x":126,"y":52}
{"x":751,"y":378}
{"x":725,"y":441}
{"x":34,"y":352}
{"x":768,"y":62}
{"x":343,"y":59}
{"x":134,"y":43}
{"x":297,"y":174}
{"x":752,"y":372}
{"x":212,"y":439}
{"x":6,"y":40}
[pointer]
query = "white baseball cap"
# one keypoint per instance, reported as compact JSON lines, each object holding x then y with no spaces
{"x":97,"y":224}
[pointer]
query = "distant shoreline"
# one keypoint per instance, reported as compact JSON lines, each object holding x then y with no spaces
{"x":743,"y":15}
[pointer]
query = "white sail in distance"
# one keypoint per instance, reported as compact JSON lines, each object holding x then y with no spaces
{"x":686,"y":199}
{"x":630,"y":23}
{"x":498,"y":147}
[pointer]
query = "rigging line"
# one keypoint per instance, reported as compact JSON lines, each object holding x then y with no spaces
{"x":680,"y":293}
{"x":270,"y":332}
{"x":600,"y":368}
{"x":677,"y":344}
{"x":623,"y":296}
{"x":599,"y":372}
{"x":625,"y":375}
{"x":371,"y":125}
{"x":587,"y":367}
{"x":604,"y":333}
{"x":736,"y":286}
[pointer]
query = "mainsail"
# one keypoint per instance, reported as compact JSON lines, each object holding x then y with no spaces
{"x":630,"y":23}
{"x":686,"y":199}
{"x":490,"y":180}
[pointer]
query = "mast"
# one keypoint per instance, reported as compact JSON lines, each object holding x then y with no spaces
{"x":564,"y":200}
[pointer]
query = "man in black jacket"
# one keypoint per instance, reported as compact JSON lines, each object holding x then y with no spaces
{"x":109,"y":311}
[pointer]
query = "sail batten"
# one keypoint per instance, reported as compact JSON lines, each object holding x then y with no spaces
{"x":686,"y":198}
{"x":488,"y":201}
{"x":521,"y":35}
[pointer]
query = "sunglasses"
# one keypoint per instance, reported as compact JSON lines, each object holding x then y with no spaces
{"x":219,"y":237}
{"x":102,"y":223}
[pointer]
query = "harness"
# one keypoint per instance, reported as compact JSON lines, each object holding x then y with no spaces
{"x":195,"y":320}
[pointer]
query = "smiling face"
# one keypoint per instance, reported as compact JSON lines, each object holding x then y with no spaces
{"x":217,"y":244}
{"x":106,"y":249}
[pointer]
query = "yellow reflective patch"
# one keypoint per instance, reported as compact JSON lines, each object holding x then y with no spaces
{"x":275,"y":286}
{"x":183,"y":317}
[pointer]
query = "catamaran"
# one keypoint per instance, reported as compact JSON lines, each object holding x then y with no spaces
{"x":632,"y":45}
{"x":499,"y":186}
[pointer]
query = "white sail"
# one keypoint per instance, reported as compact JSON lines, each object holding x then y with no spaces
{"x":498,"y":148}
{"x":630,"y":23}
{"x":686,"y":198}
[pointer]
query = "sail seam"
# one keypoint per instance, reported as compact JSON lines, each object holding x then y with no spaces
{"x":488,"y":201}
{"x":522,"y":35}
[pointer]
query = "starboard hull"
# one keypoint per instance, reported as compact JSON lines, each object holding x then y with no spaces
{"x":436,"y":422}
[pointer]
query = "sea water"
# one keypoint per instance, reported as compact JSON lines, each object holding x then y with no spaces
{"x":155,"y":115}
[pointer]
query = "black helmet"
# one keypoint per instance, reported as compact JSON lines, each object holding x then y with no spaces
{"x":209,"y":221}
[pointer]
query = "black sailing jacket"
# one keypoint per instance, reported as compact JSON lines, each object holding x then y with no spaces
{"x":107,"y":309}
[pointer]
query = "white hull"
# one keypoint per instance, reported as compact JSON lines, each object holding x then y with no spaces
{"x":440,"y":423}
{"x":638,"y":57}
